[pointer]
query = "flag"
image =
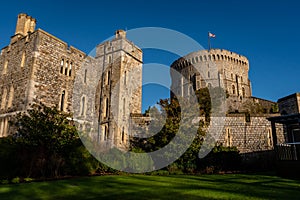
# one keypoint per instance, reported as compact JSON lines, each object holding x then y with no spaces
{"x":211,"y":35}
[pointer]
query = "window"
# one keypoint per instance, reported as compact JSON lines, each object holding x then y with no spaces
{"x":107,"y":107}
{"x":82,"y":111}
{"x":3,"y":99}
{"x":62,"y":66}
{"x":228,"y":138}
{"x":109,"y":59}
{"x":123,"y":134}
{"x":23,"y":59}
{"x":108,"y":77}
{"x":233,"y":89}
{"x":269,"y":137}
{"x":70,"y":69}
{"x":11,"y":97}
{"x":208,"y":74}
{"x":66,"y":68}
{"x":124,"y":101}
{"x":104,"y":133}
{"x":5,"y":67}
{"x":243,"y":92}
{"x":85,"y":72}
{"x":241,"y":79}
{"x":125,"y":78}
{"x":62,"y":100}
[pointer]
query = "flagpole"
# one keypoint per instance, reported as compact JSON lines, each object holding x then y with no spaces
{"x":209,"y":46}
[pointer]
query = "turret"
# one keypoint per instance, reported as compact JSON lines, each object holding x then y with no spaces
{"x":25,"y":24}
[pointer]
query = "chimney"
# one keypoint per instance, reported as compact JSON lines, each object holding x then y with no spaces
{"x":120,"y":34}
{"x":25,"y":24}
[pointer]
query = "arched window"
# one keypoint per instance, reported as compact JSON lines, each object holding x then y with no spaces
{"x":70,"y":69}
{"x":218,"y":56}
{"x":62,"y":66}
{"x":62,"y":100}
{"x":196,"y":59}
{"x":222,"y":57}
{"x":204,"y":57}
{"x":108,"y":77}
{"x":233,"y":89}
{"x":200,"y":58}
{"x":214,"y":57}
{"x":66,"y":68}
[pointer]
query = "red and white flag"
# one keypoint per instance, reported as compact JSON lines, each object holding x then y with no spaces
{"x":211,"y":35}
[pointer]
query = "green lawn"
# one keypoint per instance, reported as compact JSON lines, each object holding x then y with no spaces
{"x":173,"y":187}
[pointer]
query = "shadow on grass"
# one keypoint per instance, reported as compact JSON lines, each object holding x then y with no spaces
{"x":234,"y":186}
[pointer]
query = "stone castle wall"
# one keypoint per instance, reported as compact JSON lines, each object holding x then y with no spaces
{"x":249,"y":133}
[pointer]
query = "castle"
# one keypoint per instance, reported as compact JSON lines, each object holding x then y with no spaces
{"x":38,"y":67}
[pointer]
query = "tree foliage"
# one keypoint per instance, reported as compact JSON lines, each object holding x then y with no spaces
{"x":46,"y":144}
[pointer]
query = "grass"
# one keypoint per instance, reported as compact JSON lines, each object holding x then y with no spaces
{"x":233,"y":186}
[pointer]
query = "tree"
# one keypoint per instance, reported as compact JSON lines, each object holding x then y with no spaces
{"x":48,"y":142}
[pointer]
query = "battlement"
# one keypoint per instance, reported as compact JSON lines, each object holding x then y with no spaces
{"x":218,"y":55}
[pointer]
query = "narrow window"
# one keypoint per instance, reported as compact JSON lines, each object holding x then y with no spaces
{"x":23,"y":59}
{"x":124,"y":101}
{"x":208,"y":74}
{"x":11,"y":97}
{"x":269,"y":138}
{"x":125,"y":78}
{"x":66,"y":68}
{"x":109,"y":59}
{"x":123,"y":134}
{"x":3,"y":101}
{"x":82,"y":112}
{"x":104,"y":107}
{"x":107,"y":107}
{"x":70,"y":69}
{"x":243,"y":92}
{"x":228,"y":137}
{"x":105,"y":133}
{"x":241,"y":79}
{"x":233,"y":89}
{"x":62,"y":66}
{"x":62,"y":100}
{"x":5,"y":67}
{"x":108,"y":77}
{"x":85,"y":72}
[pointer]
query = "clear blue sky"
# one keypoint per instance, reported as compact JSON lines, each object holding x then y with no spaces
{"x":267,"y":32}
